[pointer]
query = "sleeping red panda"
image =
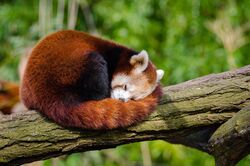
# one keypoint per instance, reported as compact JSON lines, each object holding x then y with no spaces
{"x":79,"y":80}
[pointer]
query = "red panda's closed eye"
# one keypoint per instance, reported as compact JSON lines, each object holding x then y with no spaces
{"x":125,"y":87}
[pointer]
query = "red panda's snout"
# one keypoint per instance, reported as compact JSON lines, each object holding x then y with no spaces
{"x":139,"y":83}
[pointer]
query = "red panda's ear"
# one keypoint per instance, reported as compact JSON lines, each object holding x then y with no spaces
{"x":140,"y":61}
{"x":160,"y":74}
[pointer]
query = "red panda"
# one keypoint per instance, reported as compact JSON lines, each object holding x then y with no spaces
{"x":82,"y":81}
{"x":9,"y":96}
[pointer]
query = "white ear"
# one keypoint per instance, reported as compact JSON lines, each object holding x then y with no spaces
{"x":140,"y":61}
{"x":160,"y":74}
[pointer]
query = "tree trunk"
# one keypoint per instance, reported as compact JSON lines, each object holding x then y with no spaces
{"x":190,"y":113}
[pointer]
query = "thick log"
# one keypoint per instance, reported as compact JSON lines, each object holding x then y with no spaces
{"x":188,"y":114}
{"x":231,"y":141}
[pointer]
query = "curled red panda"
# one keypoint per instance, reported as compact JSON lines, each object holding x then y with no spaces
{"x":79,"y":80}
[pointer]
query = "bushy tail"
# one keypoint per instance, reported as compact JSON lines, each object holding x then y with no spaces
{"x":105,"y":114}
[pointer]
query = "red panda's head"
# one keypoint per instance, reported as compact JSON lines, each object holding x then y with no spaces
{"x":137,"y":83}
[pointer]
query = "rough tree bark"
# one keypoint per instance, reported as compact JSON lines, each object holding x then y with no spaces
{"x":190,"y":113}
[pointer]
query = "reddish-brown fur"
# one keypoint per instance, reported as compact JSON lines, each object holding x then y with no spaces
{"x":50,"y":83}
{"x":9,"y":96}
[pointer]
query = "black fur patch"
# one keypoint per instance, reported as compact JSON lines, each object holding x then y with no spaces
{"x":112,"y":57}
{"x":94,"y":81}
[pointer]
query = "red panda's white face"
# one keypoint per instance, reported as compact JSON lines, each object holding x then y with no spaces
{"x":139,"y":83}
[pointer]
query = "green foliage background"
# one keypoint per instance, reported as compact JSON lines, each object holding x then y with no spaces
{"x":177,"y":34}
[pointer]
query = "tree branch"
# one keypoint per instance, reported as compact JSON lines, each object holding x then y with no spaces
{"x":230,"y":142}
{"x":188,"y":114}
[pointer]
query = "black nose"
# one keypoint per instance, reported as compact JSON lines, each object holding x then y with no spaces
{"x":122,"y":99}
